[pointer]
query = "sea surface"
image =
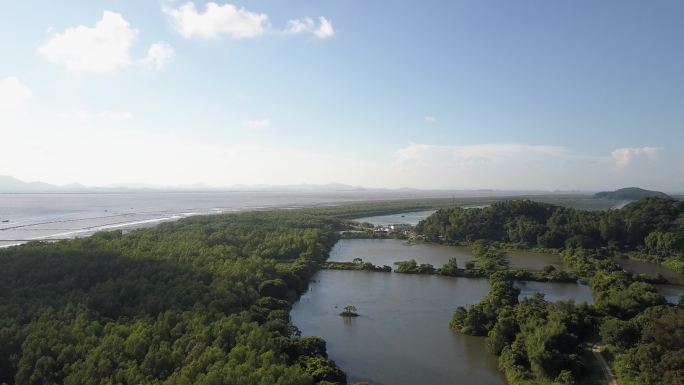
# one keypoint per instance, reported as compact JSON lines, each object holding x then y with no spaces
{"x":25,"y":217}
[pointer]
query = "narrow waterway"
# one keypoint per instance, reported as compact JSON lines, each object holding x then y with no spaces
{"x":671,"y":291}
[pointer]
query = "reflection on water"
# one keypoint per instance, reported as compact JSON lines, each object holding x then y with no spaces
{"x":402,"y":335}
{"x":671,"y":291}
{"x":388,"y":251}
{"x":640,"y":267}
{"x":556,"y":291}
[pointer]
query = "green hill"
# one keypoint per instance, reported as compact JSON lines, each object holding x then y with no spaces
{"x":630,"y":193}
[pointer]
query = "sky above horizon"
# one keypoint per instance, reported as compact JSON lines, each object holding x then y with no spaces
{"x":425,"y":94}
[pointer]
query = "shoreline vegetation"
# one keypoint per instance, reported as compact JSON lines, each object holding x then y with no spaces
{"x":547,"y":343}
{"x":207,"y":298}
{"x":203,"y":300}
{"x":367,"y":266}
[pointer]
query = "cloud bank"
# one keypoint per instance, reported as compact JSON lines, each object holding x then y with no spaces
{"x":100,"y":49}
{"x":625,"y":156}
{"x":324,"y":30}
{"x":216,"y":20}
{"x":107,"y":152}
{"x":237,"y":23}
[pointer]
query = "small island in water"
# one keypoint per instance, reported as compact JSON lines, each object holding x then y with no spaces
{"x":349,"y":311}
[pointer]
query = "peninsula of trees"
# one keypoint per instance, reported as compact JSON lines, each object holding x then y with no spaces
{"x":652,"y":228}
{"x":545,"y":343}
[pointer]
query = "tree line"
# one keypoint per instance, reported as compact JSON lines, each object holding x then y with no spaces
{"x":652,"y":228}
{"x":204,"y":300}
{"x":547,"y":343}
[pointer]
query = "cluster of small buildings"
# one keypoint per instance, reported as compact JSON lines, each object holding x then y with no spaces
{"x":402,"y":228}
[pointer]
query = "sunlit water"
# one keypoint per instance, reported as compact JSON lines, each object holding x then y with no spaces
{"x":410,"y":218}
{"x":389,"y":251}
{"x":57,"y":216}
{"x":403,"y":336}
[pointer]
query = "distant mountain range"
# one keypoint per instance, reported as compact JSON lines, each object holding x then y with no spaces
{"x":10,"y":184}
{"x":630,"y":194}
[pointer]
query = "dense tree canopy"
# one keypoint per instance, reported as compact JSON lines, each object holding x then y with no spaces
{"x":204,"y":300}
{"x":655,"y":225}
{"x":543,"y":343}
{"x":649,"y":347}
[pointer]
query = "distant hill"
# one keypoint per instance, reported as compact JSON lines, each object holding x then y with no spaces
{"x":11,"y":184}
{"x":630,"y":194}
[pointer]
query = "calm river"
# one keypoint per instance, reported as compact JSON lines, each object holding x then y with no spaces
{"x":402,"y":335}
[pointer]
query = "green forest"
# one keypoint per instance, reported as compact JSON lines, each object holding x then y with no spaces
{"x":651,"y":229}
{"x":204,"y":300}
{"x":540,"y":342}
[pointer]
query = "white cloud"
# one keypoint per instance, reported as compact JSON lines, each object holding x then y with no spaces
{"x":13,"y":96}
{"x":464,"y":156}
{"x":103,"y":48}
{"x":624,"y":156}
{"x":528,"y":166}
{"x":158,"y":55}
{"x":216,"y":20}
{"x":237,"y":23}
{"x":297,"y":26}
{"x":325,"y":30}
{"x":125,"y":152}
{"x":430,"y":119}
{"x":258,"y":123}
{"x":500,"y":166}
{"x":306,"y":25}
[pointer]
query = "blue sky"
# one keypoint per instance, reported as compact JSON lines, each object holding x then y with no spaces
{"x":429,"y":94}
